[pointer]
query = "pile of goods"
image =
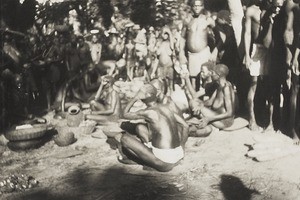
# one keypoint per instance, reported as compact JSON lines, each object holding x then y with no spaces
{"x":128,"y":89}
{"x":27,"y":136}
{"x":17,"y":183}
{"x":67,"y":135}
{"x":87,"y":126}
{"x":272,"y":146}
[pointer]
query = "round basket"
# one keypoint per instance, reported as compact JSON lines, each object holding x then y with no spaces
{"x":26,"y":145}
{"x":85,"y":130}
{"x":37,"y":131}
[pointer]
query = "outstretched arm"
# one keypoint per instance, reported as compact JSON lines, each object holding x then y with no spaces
{"x":247,"y":37}
{"x":295,"y":63}
{"x":130,"y":104}
{"x":97,"y":96}
{"x":185,"y":129}
{"x":182,"y":57}
{"x":289,"y":31}
{"x":236,"y":15}
{"x":189,"y":87}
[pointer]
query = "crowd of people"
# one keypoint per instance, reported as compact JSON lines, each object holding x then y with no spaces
{"x":243,"y":61}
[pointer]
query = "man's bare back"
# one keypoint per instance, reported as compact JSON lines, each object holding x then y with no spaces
{"x":163,"y":126}
{"x":166,"y":147}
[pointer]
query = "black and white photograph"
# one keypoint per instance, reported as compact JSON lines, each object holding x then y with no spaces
{"x":150,"y":100}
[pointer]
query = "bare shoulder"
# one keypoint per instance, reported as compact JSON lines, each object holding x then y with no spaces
{"x":291,"y":5}
{"x":228,"y":87}
{"x":252,"y":11}
{"x":151,"y":113}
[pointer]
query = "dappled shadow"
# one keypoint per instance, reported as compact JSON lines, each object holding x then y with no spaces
{"x":234,"y":189}
{"x":113,"y":183}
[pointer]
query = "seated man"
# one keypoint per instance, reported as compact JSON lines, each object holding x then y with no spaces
{"x":162,"y":98}
{"x":106,"y":106}
{"x":207,"y":85}
{"x":219,"y":110}
{"x":140,"y":128}
{"x":166,"y":147}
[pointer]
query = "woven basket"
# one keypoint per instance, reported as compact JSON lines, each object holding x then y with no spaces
{"x":85,"y":130}
{"x":37,"y":131}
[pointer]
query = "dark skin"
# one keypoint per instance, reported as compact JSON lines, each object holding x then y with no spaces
{"x":194,"y":35}
{"x":162,"y":123}
{"x":141,"y":129}
{"x":110,"y":107}
{"x":294,"y":96}
{"x":258,"y":27}
{"x":291,"y":39}
{"x":218,"y":110}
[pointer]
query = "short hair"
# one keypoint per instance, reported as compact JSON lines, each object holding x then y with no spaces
{"x":110,"y":79}
{"x":221,"y":69}
{"x":151,"y":90}
{"x":225,"y":15}
{"x":192,"y":2}
{"x":209,"y":65}
{"x":159,"y":84}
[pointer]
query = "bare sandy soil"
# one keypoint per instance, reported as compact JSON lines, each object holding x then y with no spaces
{"x":213,"y":168}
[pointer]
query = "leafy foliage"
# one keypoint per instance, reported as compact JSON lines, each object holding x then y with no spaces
{"x":18,"y":16}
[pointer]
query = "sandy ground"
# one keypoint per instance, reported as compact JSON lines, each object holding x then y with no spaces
{"x":213,"y":168}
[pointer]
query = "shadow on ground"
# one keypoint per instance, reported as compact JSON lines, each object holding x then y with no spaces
{"x":113,"y":183}
{"x":233,"y":188}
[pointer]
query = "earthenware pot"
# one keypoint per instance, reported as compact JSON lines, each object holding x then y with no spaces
{"x":74,"y":116}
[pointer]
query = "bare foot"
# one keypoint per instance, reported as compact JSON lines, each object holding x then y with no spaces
{"x":126,"y":160}
{"x":270,"y":128}
{"x":296,"y":139}
{"x":254,"y":127}
{"x":118,"y":137}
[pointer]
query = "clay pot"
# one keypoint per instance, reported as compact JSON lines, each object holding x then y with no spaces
{"x":74,"y":116}
{"x":64,"y":139}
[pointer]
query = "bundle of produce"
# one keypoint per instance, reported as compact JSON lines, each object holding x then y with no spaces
{"x":17,"y":183}
{"x":128,"y":89}
{"x":272,"y":146}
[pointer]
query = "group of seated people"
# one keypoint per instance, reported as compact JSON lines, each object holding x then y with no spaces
{"x":156,"y":136}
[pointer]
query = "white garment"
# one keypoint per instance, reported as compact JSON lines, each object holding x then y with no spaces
{"x":95,"y":49}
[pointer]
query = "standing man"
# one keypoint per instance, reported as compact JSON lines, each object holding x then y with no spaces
{"x":96,"y":48}
{"x":194,"y":39}
{"x":292,"y":29}
{"x":84,"y":53}
{"x":252,"y":26}
{"x":258,"y":28}
{"x":292,"y":42}
{"x":166,"y":57}
{"x":295,"y":93}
